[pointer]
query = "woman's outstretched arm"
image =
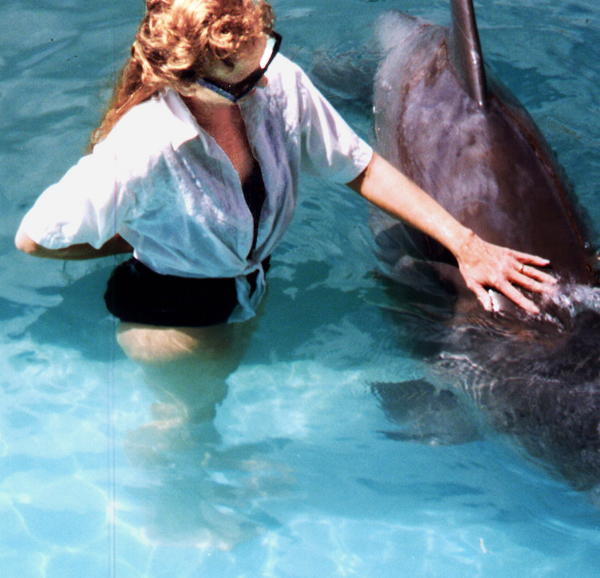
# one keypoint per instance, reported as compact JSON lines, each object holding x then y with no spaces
{"x":80,"y":251}
{"x":482,"y":264}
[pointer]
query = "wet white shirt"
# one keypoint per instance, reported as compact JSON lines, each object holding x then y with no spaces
{"x":163,"y":183}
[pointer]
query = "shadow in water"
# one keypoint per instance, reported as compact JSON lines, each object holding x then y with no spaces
{"x":80,"y":321}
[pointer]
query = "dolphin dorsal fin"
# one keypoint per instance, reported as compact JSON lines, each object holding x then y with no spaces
{"x":465,"y":50}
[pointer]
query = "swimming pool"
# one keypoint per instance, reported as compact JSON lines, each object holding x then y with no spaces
{"x":297,"y":477}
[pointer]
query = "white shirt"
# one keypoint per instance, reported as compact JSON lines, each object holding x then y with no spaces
{"x":162,"y":182}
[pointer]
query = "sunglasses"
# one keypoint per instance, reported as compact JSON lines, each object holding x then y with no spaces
{"x":237,"y":91}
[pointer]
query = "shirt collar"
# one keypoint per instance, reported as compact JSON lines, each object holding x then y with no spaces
{"x":252,"y":109}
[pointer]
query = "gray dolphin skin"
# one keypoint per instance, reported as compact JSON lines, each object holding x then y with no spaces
{"x":447,"y":123}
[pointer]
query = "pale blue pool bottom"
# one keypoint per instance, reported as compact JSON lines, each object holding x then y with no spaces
{"x":295,"y":477}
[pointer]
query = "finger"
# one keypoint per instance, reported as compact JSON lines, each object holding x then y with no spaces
{"x":483,"y":297}
{"x":530,"y":284}
{"x":540,"y":276}
{"x":517,"y":297}
{"x":530,"y":259}
{"x":532,"y":279}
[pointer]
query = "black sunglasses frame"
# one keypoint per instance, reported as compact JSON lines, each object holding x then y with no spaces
{"x":237,"y":91}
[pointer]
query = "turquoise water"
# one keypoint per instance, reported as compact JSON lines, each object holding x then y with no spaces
{"x":300,"y":480}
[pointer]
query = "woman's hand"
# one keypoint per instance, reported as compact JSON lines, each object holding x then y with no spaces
{"x":484,"y":265}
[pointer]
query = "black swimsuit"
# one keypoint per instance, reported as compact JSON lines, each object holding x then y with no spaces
{"x":137,"y":294}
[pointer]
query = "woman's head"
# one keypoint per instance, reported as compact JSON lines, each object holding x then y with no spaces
{"x":180,"y":41}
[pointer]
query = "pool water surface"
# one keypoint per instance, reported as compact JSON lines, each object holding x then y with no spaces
{"x":299,"y":474}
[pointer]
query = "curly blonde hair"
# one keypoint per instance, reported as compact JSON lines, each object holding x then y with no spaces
{"x":177,"y":42}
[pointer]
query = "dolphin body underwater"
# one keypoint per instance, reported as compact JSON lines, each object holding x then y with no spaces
{"x":447,"y":123}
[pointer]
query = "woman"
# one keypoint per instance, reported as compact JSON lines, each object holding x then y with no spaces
{"x":195,"y":167}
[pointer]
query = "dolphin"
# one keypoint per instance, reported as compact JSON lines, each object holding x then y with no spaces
{"x":447,"y":123}
{"x":444,"y":120}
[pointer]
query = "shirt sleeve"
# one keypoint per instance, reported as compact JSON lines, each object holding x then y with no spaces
{"x":330,"y":148}
{"x":88,"y":205}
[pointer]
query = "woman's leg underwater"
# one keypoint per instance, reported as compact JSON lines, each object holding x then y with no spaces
{"x":187,"y":369}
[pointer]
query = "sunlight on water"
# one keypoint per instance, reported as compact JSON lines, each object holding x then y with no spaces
{"x":303,"y":472}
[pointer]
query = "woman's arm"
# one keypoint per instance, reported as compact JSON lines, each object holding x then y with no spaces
{"x":481,"y":264}
{"x":80,"y":251}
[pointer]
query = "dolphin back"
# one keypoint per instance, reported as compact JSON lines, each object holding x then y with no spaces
{"x":458,"y":133}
